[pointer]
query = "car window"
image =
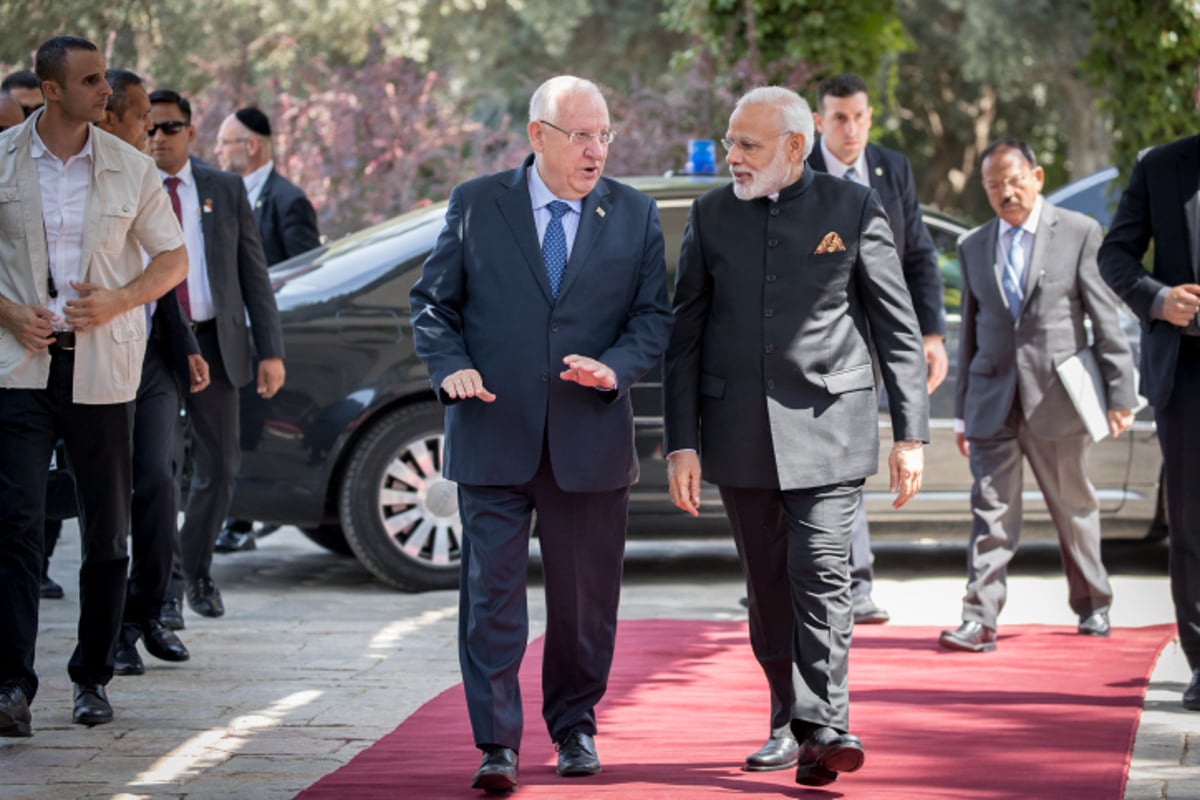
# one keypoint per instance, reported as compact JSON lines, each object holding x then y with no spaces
{"x":945,"y":239}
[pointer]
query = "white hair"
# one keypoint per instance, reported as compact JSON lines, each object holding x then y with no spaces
{"x":544,"y":103}
{"x":797,"y":116}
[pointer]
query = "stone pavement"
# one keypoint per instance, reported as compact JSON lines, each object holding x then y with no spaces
{"x":315,"y":661}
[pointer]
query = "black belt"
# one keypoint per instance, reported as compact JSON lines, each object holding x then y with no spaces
{"x":63,"y":341}
{"x":205,"y":326}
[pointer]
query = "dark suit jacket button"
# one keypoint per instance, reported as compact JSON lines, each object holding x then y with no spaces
{"x":775,"y":212}
{"x":770,"y":312}
{"x":545,"y":377}
{"x":554,"y":327}
{"x":772,"y":242}
{"x":771,"y":383}
{"x":771,"y":278}
{"x":769,"y":348}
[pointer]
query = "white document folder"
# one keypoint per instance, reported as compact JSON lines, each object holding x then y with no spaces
{"x":1081,"y":377}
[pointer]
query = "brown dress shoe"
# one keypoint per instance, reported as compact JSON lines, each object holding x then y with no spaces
{"x":971,"y":637}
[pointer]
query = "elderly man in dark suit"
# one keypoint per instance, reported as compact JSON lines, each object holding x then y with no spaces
{"x":788,"y":283}
{"x":542,"y":304}
{"x":1162,"y":204}
{"x":843,"y":119}
{"x":227,"y":281}
{"x":1029,"y":279}
{"x":288,"y":226}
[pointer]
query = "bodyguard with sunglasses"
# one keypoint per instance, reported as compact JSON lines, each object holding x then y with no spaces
{"x":227,"y":282}
{"x":74,"y":204}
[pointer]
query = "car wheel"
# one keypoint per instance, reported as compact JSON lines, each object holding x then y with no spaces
{"x":330,"y":537}
{"x":399,"y":514}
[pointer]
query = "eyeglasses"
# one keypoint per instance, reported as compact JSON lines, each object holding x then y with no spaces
{"x":231,"y":142}
{"x":1014,"y":182}
{"x":603,"y":137}
{"x":170,"y":128}
{"x":748,"y":146}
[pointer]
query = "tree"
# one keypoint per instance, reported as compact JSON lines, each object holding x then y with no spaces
{"x":1144,"y":55}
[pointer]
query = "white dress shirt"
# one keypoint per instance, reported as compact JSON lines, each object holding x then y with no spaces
{"x":199,"y":292}
{"x":64,"y":190}
{"x":255,"y":182}
{"x":835,"y":167}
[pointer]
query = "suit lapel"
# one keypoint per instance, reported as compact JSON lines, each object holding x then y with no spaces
{"x":1189,"y":187}
{"x":596,"y":207}
{"x":208,"y":227}
{"x":517,"y":209}
{"x":983,"y":276}
{"x":1042,"y":243}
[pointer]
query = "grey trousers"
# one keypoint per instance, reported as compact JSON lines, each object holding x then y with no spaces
{"x":1060,"y":467}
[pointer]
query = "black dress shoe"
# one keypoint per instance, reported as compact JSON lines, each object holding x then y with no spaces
{"x":1095,"y":624}
{"x":1191,"y":695}
{"x":498,"y":772}
{"x":778,"y":753}
{"x":230,"y":541}
{"x":824,"y":753}
{"x":971,"y":637}
{"x":577,"y":755}
{"x":15,"y":719}
{"x":91,"y":705}
{"x":204,"y":598}
{"x":50,"y":590}
{"x":161,"y":642}
{"x":127,"y":661}
{"x":867,"y":613}
{"x":171,"y":615}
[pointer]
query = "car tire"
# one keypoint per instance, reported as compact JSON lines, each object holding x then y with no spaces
{"x":330,"y":537}
{"x":399,"y":515}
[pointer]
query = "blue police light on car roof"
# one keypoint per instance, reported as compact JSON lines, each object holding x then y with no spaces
{"x":701,"y":157}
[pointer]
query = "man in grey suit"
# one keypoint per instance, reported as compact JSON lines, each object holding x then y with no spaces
{"x":1161,"y":204}
{"x":788,"y":281}
{"x":1029,"y":278}
{"x":543,"y":302}
{"x":227,"y":280}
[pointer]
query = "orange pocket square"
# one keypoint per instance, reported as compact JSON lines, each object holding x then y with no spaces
{"x":832,"y":243}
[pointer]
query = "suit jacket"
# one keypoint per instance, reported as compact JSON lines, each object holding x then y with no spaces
{"x":891,"y":176}
{"x":286,"y":220}
{"x":1160,"y":203}
{"x":237,"y":273}
{"x":769,"y":373}
{"x":176,"y":338}
{"x":126,"y":207}
{"x":484,"y":302}
{"x":999,"y":359}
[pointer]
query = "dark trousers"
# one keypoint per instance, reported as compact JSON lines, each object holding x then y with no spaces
{"x":795,"y":551}
{"x":99,"y":443}
{"x":1179,"y":436}
{"x":155,"y":510}
{"x":216,"y":455}
{"x":862,"y":571}
{"x":582,"y":536}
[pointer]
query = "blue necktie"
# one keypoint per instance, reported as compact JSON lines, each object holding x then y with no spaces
{"x":554,"y":245}
{"x":1014,"y":272}
{"x":850,"y":174}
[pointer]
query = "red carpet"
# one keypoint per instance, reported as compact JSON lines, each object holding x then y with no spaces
{"x":1050,"y":714}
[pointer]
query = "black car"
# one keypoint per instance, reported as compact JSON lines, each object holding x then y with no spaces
{"x":350,"y":449}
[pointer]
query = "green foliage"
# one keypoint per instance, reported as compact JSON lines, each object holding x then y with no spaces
{"x":790,"y":42}
{"x":1144,"y":55}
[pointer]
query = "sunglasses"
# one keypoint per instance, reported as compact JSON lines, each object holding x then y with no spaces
{"x":170,"y":128}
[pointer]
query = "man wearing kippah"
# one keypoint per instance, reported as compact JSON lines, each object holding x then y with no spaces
{"x":288,"y":225}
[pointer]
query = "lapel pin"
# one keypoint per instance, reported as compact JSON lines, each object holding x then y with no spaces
{"x":208,"y":205}
{"x":600,"y":212}
{"x":879,"y":171}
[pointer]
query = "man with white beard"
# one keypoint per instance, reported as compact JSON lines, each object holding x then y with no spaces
{"x":787,"y":283}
